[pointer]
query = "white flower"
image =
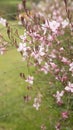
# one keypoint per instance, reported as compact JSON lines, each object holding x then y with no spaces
{"x":54,"y":25}
{"x":3,"y":21}
{"x":36,"y":104}
{"x":58,"y":96}
{"x":41,"y":51}
{"x":45,"y":68}
{"x":69,"y":88}
{"x":71,"y":68}
{"x":65,"y":23}
{"x":22,"y":47}
{"x":50,"y":37}
{"x":23,"y":37}
{"x":38,"y":54}
{"x":39,"y":60}
{"x":30,"y":79}
{"x":37,"y":101}
{"x":2,"y":49}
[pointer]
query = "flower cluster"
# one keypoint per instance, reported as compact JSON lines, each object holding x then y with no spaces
{"x":47,"y":45}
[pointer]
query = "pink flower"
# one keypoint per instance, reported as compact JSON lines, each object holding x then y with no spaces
{"x":53,"y":65}
{"x":64,"y":78}
{"x":64,"y":115}
{"x":54,"y":25}
{"x":35,"y":54}
{"x":50,"y":37}
{"x":41,"y":50}
{"x":57,"y":70}
{"x":45,"y":68}
{"x":22,"y":47}
{"x":53,"y":54}
{"x":30,"y":79}
{"x":58,"y":97}
{"x":69,"y":88}
{"x":65,"y":60}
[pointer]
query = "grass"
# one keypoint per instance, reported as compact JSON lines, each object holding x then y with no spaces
{"x":8,"y":9}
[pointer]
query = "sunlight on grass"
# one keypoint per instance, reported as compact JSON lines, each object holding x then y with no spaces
{"x":12,"y":90}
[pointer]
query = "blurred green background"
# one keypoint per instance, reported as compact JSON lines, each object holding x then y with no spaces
{"x":8,"y":8}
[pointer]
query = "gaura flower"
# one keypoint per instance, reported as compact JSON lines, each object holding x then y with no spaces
{"x":69,"y":87}
{"x":22,"y":47}
{"x":71,"y":68}
{"x":36,"y":103}
{"x":3,"y":21}
{"x":65,"y":23}
{"x":30,"y":79}
{"x":58,"y":97}
{"x":45,"y":68}
{"x":64,"y":115}
{"x":54,"y":25}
